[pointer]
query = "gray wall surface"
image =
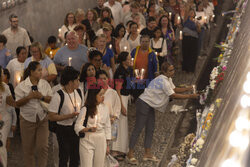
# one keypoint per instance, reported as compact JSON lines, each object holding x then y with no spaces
{"x":42,"y":18}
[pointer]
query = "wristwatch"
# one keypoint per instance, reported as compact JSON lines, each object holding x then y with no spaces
{"x":43,"y":98}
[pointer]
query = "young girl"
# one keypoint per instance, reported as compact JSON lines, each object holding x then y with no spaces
{"x":94,"y":129}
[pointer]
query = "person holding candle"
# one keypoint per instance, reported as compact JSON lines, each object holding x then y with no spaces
{"x":144,"y":59}
{"x":168,"y":34}
{"x":49,"y":71}
{"x":69,"y":25}
{"x":159,"y":45}
{"x":133,"y":37}
{"x":65,"y":117}
{"x":122,"y":76}
{"x":5,"y":103}
{"x":16,"y":66}
{"x":190,"y":42}
{"x":52,"y":48}
{"x":155,"y":97}
{"x":76,"y":51}
{"x":94,"y":129}
{"x":108,"y":56}
{"x":33,"y":119}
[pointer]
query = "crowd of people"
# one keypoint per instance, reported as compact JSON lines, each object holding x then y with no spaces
{"x":77,"y":88}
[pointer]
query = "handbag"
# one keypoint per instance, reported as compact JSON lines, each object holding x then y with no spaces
{"x":111,"y":161}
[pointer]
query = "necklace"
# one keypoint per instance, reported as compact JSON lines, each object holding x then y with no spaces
{"x":74,"y":105}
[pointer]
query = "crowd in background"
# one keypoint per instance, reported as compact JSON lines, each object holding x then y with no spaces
{"x":105,"y":48}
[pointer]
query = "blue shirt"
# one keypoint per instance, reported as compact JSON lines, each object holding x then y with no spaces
{"x":4,"y":60}
{"x":106,"y":59}
{"x":79,"y":56}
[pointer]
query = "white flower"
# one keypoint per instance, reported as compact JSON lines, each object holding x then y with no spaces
{"x":214,"y":73}
{"x":212,"y":84}
{"x":194,"y":161}
{"x":200,"y":142}
{"x":197,"y":149}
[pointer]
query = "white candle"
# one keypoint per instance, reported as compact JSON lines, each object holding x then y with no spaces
{"x":110,"y":46}
{"x":194,"y":89}
{"x":170,"y":15}
{"x":156,"y":53}
{"x":18,"y":77}
{"x":181,"y":37}
{"x":213,"y":17}
{"x":205,"y":19}
{"x":51,"y":54}
{"x":96,"y":118}
{"x":59,"y":30}
{"x":138,"y":30}
{"x":178,"y":20}
{"x":137,"y":73}
{"x":125,"y":48}
{"x":142,"y":73}
{"x":70,"y":58}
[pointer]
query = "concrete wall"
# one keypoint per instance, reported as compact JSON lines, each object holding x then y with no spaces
{"x":42,"y":18}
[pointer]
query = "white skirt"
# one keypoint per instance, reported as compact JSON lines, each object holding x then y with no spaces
{"x":121,"y":144}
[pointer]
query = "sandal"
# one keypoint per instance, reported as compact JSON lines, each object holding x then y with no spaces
{"x":132,"y":160}
{"x":153,"y":158}
{"x":119,"y":157}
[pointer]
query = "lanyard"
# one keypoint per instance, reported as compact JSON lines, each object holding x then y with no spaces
{"x":74,"y":106}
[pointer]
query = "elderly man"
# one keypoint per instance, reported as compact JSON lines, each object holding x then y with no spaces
{"x":72,"y":54}
{"x":16,"y":35}
{"x":116,"y":9}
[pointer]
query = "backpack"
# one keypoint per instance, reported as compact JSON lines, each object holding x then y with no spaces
{"x":52,"y":124}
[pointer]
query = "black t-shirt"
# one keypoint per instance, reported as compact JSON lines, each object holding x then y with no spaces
{"x":148,"y":32}
{"x":98,"y":10}
{"x":123,"y":74}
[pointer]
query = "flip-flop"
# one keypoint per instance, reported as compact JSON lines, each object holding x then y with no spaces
{"x":153,"y":158}
{"x":132,"y":160}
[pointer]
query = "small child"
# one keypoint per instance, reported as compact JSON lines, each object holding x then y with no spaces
{"x":52,"y":48}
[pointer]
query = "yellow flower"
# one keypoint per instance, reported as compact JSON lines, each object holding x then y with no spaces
{"x":218,"y":102}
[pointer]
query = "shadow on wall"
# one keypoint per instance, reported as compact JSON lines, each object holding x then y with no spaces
{"x":43,"y":18}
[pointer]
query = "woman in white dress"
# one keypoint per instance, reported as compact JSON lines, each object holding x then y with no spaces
{"x":5,"y":100}
{"x":94,"y":130}
{"x":134,"y":36}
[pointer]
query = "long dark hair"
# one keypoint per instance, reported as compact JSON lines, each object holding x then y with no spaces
{"x":91,"y":102}
{"x":1,"y":82}
{"x":83,"y":75}
{"x":31,"y":67}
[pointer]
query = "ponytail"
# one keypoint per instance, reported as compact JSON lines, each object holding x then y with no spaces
{"x":31,"y":67}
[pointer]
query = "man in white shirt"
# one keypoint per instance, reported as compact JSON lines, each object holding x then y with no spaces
{"x":116,"y":9}
{"x":16,"y":66}
{"x":155,"y":97}
{"x":16,"y":35}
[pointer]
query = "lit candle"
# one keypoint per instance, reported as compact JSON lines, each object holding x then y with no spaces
{"x":205,"y":19}
{"x":125,"y":48}
{"x":137,"y":73}
{"x":59,"y":30}
{"x":70,"y":58}
{"x":181,"y":37}
{"x":178,"y":20}
{"x":156,"y":53}
{"x":213,"y":17}
{"x":138,"y":30}
{"x":51,"y":54}
{"x":18,"y":77}
{"x":170,"y":15}
{"x":110,"y":46}
{"x":194,"y":89}
{"x":142,"y":73}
